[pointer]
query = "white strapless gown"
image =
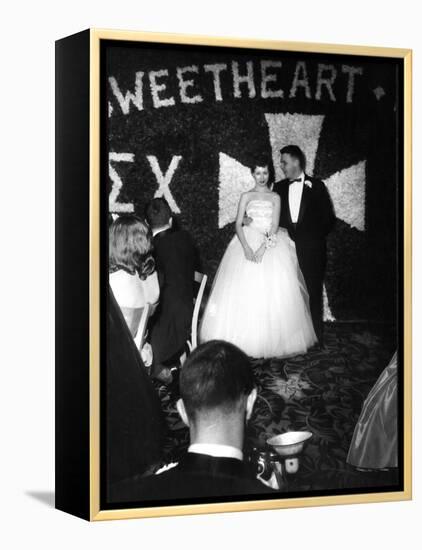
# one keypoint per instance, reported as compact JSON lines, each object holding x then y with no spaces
{"x":260,"y":307}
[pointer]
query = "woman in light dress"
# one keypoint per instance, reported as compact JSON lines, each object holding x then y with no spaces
{"x":259,"y":300}
{"x":132,"y":275}
{"x":374,"y":442}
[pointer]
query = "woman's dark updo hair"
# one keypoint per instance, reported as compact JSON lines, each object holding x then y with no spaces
{"x":262,"y":161}
{"x":130,"y":246}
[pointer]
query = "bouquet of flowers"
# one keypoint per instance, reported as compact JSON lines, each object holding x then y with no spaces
{"x":270,"y":240}
{"x":146,"y":354}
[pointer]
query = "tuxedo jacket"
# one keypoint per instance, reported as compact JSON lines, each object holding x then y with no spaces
{"x":195,"y":476}
{"x":316,"y":215}
{"x":175,"y":261}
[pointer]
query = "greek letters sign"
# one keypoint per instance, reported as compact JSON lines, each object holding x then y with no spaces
{"x":185,"y":124}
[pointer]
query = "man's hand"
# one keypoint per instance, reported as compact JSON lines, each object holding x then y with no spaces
{"x":246,"y":220}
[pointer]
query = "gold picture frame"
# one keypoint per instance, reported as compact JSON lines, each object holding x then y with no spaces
{"x":95,"y":513}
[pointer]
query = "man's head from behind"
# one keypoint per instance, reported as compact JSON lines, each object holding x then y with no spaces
{"x":217,"y":393}
{"x":158,"y":213}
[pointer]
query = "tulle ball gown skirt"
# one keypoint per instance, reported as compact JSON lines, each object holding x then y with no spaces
{"x":263,"y":308}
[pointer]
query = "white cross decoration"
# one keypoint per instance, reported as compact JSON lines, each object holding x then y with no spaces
{"x":347,"y":187}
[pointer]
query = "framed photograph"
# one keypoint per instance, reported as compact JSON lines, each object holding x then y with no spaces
{"x":233,"y":274}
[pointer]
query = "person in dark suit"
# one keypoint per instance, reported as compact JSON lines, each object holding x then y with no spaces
{"x":307,"y":213}
{"x":217,"y":397}
{"x":135,"y":422}
{"x":174,"y":253}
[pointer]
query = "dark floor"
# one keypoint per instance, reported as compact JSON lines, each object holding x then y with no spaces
{"x":323,"y":392}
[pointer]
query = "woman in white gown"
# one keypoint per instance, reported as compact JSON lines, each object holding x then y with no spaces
{"x":259,"y":300}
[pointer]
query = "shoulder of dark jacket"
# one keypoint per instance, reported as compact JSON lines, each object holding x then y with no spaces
{"x":317,"y":182}
{"x":278,"y":185}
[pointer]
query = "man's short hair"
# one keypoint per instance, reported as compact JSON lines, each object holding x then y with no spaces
{"x":215,"y":376}
{"x":158,"y":212}
{"x":296,"y":152}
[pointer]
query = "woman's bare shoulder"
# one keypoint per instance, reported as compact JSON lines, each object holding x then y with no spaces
{"x":245,"y":196}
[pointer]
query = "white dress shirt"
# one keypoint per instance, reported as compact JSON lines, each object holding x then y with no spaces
{"x":216,"y":449}
{"x":295,"y":197}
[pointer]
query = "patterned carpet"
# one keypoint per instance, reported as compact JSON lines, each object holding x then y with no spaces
{"x":323,"y":392}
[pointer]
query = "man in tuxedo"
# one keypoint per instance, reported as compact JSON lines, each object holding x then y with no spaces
{"x":217,"y":397}
{"x":307,"y":213}
{"x":175,"y":260}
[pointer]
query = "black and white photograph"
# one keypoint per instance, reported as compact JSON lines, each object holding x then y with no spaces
{"x":252,"y":213}
{"x":210,"y":301}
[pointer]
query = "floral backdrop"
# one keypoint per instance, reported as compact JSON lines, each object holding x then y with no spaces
{"x":186,"y":123}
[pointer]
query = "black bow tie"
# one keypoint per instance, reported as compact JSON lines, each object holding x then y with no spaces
{"x":293,"y":181}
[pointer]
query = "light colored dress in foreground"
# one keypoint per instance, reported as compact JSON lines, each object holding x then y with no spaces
{"x":374,"y":442}
{"x":260,"y":307}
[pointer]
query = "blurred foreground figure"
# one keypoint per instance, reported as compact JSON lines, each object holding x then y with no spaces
{"x":133,"y":411}
{"x":217,"y":397}
{"x":374,"y":442}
